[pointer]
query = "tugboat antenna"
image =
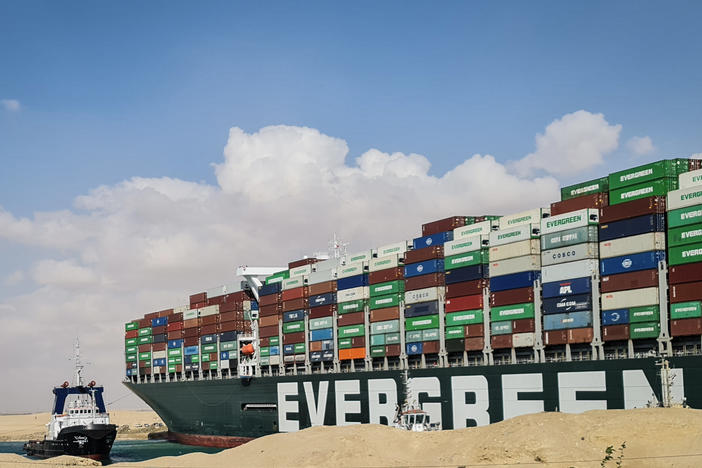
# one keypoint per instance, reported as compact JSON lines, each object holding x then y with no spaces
{"x":79,"y":366}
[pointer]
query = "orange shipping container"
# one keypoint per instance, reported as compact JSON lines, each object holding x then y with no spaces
{"x":191,"y":323}
{"x":352,"y":353}
{"x":269,"y":321}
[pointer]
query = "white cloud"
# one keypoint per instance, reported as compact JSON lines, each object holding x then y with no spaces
{"x":576,"y":142}
{"x":12,"y":105}
{"x":14,"y":278}
{"x":640,"y":145}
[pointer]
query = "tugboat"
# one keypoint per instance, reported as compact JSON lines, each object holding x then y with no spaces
{"x":80,"y":425}
{"x":410,"y":416}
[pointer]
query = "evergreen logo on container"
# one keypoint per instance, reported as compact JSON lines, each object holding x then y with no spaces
{"x":635,"y":175}
{"x":636,"y":193}
{"x":561,"y":222}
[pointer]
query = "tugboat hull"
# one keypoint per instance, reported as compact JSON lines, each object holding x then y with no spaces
{"x":92,"y":441}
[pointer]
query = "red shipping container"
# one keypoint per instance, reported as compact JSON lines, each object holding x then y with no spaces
{"x":175,"y":317}
{"x":692,"y":272}
{"x":217,"y":300}
{"x":165,"y":312}
{"x":357,"y":341}
{"x":615,"y":333}
{"x":199,"y":297}
{"x":145,"y":322}
{"x":158,"y":347}
{"x":264,"y":342}
{"x":511,"y":296}
{"x":265,"y":332}
{"x":315,"y":345}
{"x":430,"y":347}
{"x":467,"y":288}
{"x":475,"y":330}
{"x":143,"y":348}
{"x":267,"y":321}
{"x":190,"y":332}
{"x":191,"y":341}
{"x":231,"y":326}
{"x":208,"y":329}
{"x":230,"y":307}
{"x":191,"y":323}
{"x":131,"y":334}
{"x":594,"y":200}
{"x":523,"y":326}
{"x":292,"y":338}
{"x":389,"y":274}
{"x":555,"y":337}
{"x":457,"y":304}
{"x":228,"y":316}
{"x":424,"y":281}
{"x":270,"y":299}
{"x":273,"y":309}
{"x":175,"y":335}
{"x":151,"y":315}
{"x":392,"y":350}
{"x":294,"y":293}
{"x":322,"y":311}
{"x":501,"y":341}
{"x":686,"y":327}
{"x":580,"y":335}
{"x":322,"y":288}
{"x":382,"y":315}
{"x":205,"y":365}
{"x":350,"y":319}
{"x":174,"y":326}
{"x":475,"y":344}
{"x":179,"y":368}
{"x":198,"y":305}
{"x":302,"y":262}
{"x":443,"y":225}
{"x":296,"y":304}
{"x":424,"y":254}
{"x":158,"y":330}
{"x":632,"y":209}
{"x":209,"y":319}
{"x":633,"y":280}
{"x":686,"y":292}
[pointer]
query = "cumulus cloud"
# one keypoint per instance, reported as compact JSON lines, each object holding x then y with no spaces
{"x":576,"y":142}
{"x":11,"y":105}
{"x":640,"y":145}
{"x":146,"y":243}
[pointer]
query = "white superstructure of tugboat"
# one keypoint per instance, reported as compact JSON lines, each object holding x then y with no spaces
{"x":80,"y":424}
{"x":410,"y":416}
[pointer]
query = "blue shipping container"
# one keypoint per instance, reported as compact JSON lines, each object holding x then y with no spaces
{"x":327,"y":355}
{"x":615,"y":317}
{"x":316,"y":356}
{"x":322,"y":299}
{"x":523,"y":279}
{"x":172,"y":344}
{"x":632,"y":227}
{"x":422,"y":308}
{"x":254,"y":305}
{"x":207,"y":339}
{"x":224,"y":355}
{"x":424,"y":268}
{"x":559,"y":305}
{"x":159,"y":362}
{"x":351,"y":282}
{"x":440,"y":238}
{"x":288,"y":349}
{"x":414,"y":348}
{"x":323,"y":334}
{"x":227,"y":336}
{"x":470,"y":273}
{"x":566,"y":287}
{"x":274,"y":350}
{"x":633,"y":262}
{"x":268,"y":289}
{"x":159,"y":321}
{"x":580,"y":319}
{"x":191,"y":350}
{"x":293,"y":316}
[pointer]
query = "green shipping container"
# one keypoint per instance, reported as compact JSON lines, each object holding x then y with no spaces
{"x":299,"y":348}
{"x":171,"y":369}
{"x":644,"y":314}
{"x":430,"y":334}
{"x":377,"y":340}
{"x":585,"y":188}
{"x":131,"y":350}
{"x":205,"y":358}
{"x":145,"y":339}
{"x":647,"y":189}
{"x":266,"y":351}
{"x":129,"y":326}
{"x":512,"y":312}
{"x":227,"y":346}
{"x":351,"y":306}
{"x":683,"y":310}
{"x":467,"y":317}
{"x":265,"y":361}
{"x":175,"y":352}
{"x":195,"y":358}
{"x":209,"y":348}
{"x":320,"y":323}
{"x":466,"y":259}
{"x":644,"y":330}
{"x":294,"y":327}
{"x":377,"y":351}
{"x":685,"y":216}
{"x":392,"y":338}
{"x":131,"y":357}
{"x":568,"y":237}
{"x":146,"y":356}
{"x":380,"y":302}
{"x":344,"y":343}
{"x":214,"y":365}
{"x":453,"y":333}
{"x":412,"y":336}
{"x":351,"y":331}
{"x":668,"y":168}
{"x":274,"y":340}
{"x":130,"y":342}
{"x":685,"y":235}
{"x":145,"y":331}
{"x":390,"y":287}
{"x":389,"y":326}
{"x":175,"y":360}
{"x":278,"y":277}
{"x":685,"y":254}
{"x":422,"y":323}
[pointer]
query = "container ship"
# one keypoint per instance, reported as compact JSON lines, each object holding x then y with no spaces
{"x":591,"y":303}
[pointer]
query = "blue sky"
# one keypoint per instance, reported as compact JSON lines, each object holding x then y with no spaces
{"x":109,"y":91}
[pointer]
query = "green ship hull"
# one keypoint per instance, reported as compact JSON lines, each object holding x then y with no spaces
{"x":228,"y":412}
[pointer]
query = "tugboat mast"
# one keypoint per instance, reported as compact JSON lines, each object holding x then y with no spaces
{"x":79,"y":365}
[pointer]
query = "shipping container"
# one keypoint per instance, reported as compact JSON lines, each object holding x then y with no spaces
{"x":389,"y":274}
{"x":389,"y":300}
{"x":633,"y":244}
{"x":383,"y":263}
{"x":525,"y":217}
{"x":557,"y":305}
{"x":644,"y":314}
{"x":501,"y":341}
{"x":515,"y":249}
{"x":389,"y":326}
{"x":467,"y":244}
{"x":689,"y":273}
{"x":432,"y":240}
{"x":571,"y":220}
{"x":511,"y":296}
{"x":397,"y":248}
{"x":466,"y":317}
{"x":580,"y":335}
{"x":382,"y":315}
{"x":389,"y":287}
{"x":356,"y":318}
{"x":555,"y":337}
{"x":475,"y":343}
{"x":632,"y":227}
{"x":658,"y":187}
{"x":569,"y":237}
{"x":585,"y":188}
{"x":352,"y":306}
{"x":351,"y":282}
{"x":512,"y":312}
{"x":633,"y":262}
{"x":427,"y":253}
{"x":647,"y":172}
{"x":644,"y":330}
{"x":501,"y":328}
{"x":422,"y":295}
{"x":424,"y":281}
{"x":514,"y":234}
{"x":523,"y":340}
{"x":571,"y":253}
{"x":352,"y":294}
{"x":482,"y":228}
{"x":686,"y":327}
{"x":693,"y":178}
{"x":422,"y":323}
{"x":569,"y":270}
{"x":684,"y":310}
{"x":684,"y":254}
{"x":685,"y":216}
{"x":633,"y":280}
{"x":441,"y":225}
{"x":423,"y":268}
{"x":322,"y":299}
{"x":686,"y":292}
{"x":685,"y":235}
{"x":466,"y":288}
{"x":458,"y":304}
{"x":360,"y":257}
{"x":466,"y":259}
{"x":595,"y":200}
{"x":514,"y":281}
{"x":630,"y":298}
{"x":471,"y":273}
{"x":421,"y":308}
{"x":320,"y":277}
{"x":320,"y":323}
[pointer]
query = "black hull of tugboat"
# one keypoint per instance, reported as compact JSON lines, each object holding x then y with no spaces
{"x":92,"y":441}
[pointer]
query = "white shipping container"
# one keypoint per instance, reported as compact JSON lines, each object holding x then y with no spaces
{"x":466,"y":244}
{"x":321,"y":276}
{"x":382,"y":263}
{"x":181,"y":309}
{"x":522,"y":340}
{"x":572,"y":253}
{"x":294,"y":282}
{"x":224,"y":364}
{"x":247,"y":306}
{"x":361,"y":292}
{"x":299,"y":357}
{"x":570,"y":220}
{"x":274,"y":360}
{"x":156,"y":370}
{"x":209,"y":310}
{"x":683,"y":198}
{"x":397,"y":248}
{"x":301,"y":270}
{"x":422,"y":295}
{"x":525,"y":217}
{"x":159,"y":355}
{"x":364,"y":256}
{"x":690,"y":179}
{"x":569,"y":270}
{"x":352,"y":269}
{"x":288,"y":358}
{"x":514,"y":234}
{"x":515,"y":265}
{"x":277,"y":279}
{"x":190,"y":314}
{"x":326,"y":265}
{"x":631,"y":245}
{"x":515,"y":249}
{"x":629,"y":298}
{"x":482,"y":228}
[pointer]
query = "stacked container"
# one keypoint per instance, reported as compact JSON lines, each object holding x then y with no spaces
{"x":352,"y":295}
{"x":515,"y":264}
{"x":569,"y":267}
{"x":321,"y":320}
{"x":270,"y":300}
{"x":466,"y":263}
{"x":295,"y":306}
{"x":590,"y":194}
{"x":685,"y":255}
{"x":653,"y":179}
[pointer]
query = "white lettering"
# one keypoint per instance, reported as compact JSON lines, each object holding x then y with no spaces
{"x":286,"y":406}
{"x":344,"y":407}
{"x":462,"y":411}
{"x":512,"y":386}
{"x":431,"y":387}
{"x":376,"y":409}
{"x":638,"y":393}
{"x":317,"y":410}
{"x":570,"y":383}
